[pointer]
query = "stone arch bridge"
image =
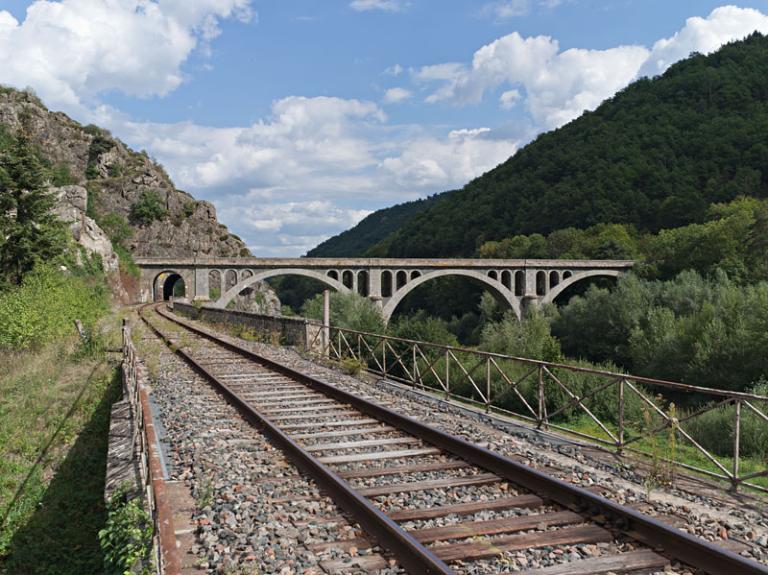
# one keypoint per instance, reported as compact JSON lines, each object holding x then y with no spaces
{"x":518,"y":283}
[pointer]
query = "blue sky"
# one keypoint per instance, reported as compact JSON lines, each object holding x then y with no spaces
{"x":297,"y":118}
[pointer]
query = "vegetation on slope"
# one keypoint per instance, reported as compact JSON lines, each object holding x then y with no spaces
{"x":56,"y":388}
{"x":370,"y":231}
{"x":656,"y":155}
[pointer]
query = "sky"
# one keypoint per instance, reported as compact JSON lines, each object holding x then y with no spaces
{"x":297,"y":118}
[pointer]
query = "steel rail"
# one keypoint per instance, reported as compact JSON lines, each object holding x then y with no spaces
{"x":675,"y":543}
{"x":409,"y":552}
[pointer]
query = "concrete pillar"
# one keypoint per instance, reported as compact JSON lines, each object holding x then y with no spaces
{"x":530,"y":282}
{"x":374,"y":283}
{"x":200,"y":289}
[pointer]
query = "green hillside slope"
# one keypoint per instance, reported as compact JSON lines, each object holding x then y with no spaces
{"x":370,"y":231}
{"x":656,"y":155}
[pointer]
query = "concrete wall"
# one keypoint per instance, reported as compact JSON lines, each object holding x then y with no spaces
{"x":293,"y":331}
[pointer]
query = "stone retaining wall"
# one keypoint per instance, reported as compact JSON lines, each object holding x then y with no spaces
{"x":295,"y":331}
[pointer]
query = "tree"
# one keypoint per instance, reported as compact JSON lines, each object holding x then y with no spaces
{"x":30,"y":232}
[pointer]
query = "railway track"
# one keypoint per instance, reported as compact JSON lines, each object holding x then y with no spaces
{"x":381,"y":467}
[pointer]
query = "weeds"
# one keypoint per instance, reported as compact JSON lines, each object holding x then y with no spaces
{"x":127,"y":536}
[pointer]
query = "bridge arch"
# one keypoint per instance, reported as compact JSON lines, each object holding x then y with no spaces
{"x":391,"y":305}
{"x":231,"y":293}
{"x":164,"y":282}
{"x":570,"y":279}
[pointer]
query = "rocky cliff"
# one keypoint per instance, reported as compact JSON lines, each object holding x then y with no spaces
{"x":119,"y":181}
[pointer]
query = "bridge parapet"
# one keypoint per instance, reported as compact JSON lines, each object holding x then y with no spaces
{"x":386,"y":281}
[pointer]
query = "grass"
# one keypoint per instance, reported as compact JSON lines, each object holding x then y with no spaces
{"x":684,"y":452}
{"x":54,"y":423}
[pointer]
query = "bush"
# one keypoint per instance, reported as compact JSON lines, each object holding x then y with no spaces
{"x":44,"y":307}
{"x":148,"y":209}
{"x":351,"y":311}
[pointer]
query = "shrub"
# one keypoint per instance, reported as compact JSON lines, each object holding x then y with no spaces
{"x":44,"y":307}
{"x":351,"y":311}
{"x":148,"y":209}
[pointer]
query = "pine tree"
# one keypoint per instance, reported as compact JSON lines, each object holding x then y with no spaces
{"x":29,"y":232}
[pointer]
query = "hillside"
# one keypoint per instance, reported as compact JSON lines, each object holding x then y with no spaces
{"x":128,"y":194}
{"x":656,"y":155}
{"x":371,"y":230}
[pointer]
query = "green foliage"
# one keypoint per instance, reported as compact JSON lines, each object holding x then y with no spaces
{"x":189,"y":209}
{"x":46,"y":305}
{"x":61,"y":175}
{"x":422,"y":327}
{"x":116,"y":227}
{"x":100,"y":144}
{"x":29,"y":232}
{"x":709,"y":332}
{"x":530,"y":338}
{"x":148,"y":209}
{"x":655,"y":156}
{"x":602,"y":241}
{"x":347,"y":310}
{"x":127,"y":535}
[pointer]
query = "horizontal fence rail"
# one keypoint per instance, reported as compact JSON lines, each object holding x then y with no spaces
{"x":672,"y":422}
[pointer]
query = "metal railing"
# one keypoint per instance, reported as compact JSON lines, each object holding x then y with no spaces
{"x":620,"y":410}
{"x":145,"y":450}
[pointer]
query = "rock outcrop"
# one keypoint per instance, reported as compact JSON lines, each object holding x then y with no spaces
{"x":101,"y":182}
{"x":117,"y":178}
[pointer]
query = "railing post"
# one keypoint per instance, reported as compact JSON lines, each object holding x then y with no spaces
{"x":326,"y":338}
{"x":413,"y":365}
{"x":540,"y":422}
{"x":487,"y":384}
{"x":447,"y":374}
{"x":736,"y":446}
{"x":620,"y":445}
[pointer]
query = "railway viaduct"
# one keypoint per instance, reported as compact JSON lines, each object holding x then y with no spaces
{"x":518,"y":283}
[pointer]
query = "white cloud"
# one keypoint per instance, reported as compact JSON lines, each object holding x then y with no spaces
{"x":431,"y":163}
{"x":560,"y":85}
{"x":397,"y":95}
{"x":705,"y":35}
{"x":73,"y":50}
{"x":507,"y":9}
{"x":383,"y":5}
{"x":509,"y":98}
{"x":395,"y":70}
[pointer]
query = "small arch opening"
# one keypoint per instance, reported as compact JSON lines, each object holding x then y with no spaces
{"x":541,"y":283}
{"x":566,"y":275}
{"x":415,"y":274}
{"x":554,"y":279}
{"x":347,"y":279}
{"x":333,"y":274}
{"x":214,"y":285}
{"x":230,"y":279}
{"x":174,"y":287}
{"x":245,"y":274}
{"x":362,"y":283}
{"x":401,"y":279}
{"x":493,"y":274}
{"x":520,"y":283}
{"x":506,"y":279}
{"x":386,"y":283}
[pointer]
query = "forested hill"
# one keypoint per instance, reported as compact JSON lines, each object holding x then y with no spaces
{"x":371,"y":230}
{"x":656,"y":155}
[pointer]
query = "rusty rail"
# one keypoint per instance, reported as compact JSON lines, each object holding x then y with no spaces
{"x":540,"y":392}
{"x":146,"y":449}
